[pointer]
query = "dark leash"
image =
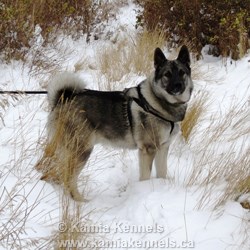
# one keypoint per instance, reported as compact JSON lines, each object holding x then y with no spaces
{"x":20,"y":92}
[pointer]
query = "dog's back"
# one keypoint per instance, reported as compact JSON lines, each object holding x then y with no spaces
{"x":106,"y":112}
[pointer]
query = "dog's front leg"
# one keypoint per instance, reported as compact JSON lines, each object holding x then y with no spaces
{"x":161,"y":161}
{"x":146,"y":157}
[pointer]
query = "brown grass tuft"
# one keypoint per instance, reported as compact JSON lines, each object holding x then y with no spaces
{"x":244,"y":185}
{"x":64,"y":153}
{"x":194,"y":112}
{"x":222,"y":158}
{"x":70,"y":221}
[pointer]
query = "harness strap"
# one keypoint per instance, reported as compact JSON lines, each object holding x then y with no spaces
{"x":143,"y":103}
{"x":130,"y":117}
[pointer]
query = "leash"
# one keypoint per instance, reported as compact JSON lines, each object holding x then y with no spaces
{"x":143,"y":103}
{"x":20,"y":92}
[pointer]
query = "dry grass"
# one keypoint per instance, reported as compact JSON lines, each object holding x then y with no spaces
{"x":134,"y":55}
{"x":129,"y":55}
{"x":44,"y":61}
{"x":17,"y":202}
{"x":18,"y":207}
{"x":16,"y":210}
{"x":75,"y":228}
{"x":81,"y":65}
{"x":195,"y":111}
{"x":70,"y":221}
{"x":64,"y":151}
{"x":5,"y":102}
{"x":222,"y":159}
{"x":231,"y":172}
{"x":244,"y":185}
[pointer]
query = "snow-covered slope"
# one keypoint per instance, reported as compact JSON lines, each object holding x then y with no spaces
{"x":156,"y":213}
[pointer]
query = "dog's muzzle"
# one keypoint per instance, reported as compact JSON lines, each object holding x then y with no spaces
{"x":176,"y":88}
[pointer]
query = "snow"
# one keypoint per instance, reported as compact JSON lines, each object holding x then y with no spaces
{"x":116,"y":198}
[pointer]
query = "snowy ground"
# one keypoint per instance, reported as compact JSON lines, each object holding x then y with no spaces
{"x":123,"y":209}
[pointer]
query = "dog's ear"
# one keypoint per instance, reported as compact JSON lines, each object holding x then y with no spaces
{"x":184,"y":56}
{"x":159,"y":58}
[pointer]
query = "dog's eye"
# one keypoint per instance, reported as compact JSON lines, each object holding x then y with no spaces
{"x":181,"y":73}
{"x":168,"y":74}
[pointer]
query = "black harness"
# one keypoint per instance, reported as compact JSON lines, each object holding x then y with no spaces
{"x":143,"y":103}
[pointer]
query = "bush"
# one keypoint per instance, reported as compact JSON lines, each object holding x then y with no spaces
{"x":21,"y":21}
{"x":224,"y":24}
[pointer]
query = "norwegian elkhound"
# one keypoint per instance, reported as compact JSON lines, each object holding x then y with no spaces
{"x":144,"y":117}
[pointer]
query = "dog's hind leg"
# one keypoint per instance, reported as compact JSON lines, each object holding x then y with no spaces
{"x":75,"y":170}
{"x":146,"y":157}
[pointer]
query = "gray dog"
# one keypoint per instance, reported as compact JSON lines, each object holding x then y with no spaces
{"x":144,"y":117}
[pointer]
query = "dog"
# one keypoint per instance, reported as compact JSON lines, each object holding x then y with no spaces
{"x":145,"y":117}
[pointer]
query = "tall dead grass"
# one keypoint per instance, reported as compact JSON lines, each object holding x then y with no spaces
{"x":196,"y":109}
{"x":20,"y":191}
{"x":75,"y":228}
{"x":64,"y":154}
{"x":19,"y":203}
{"x":134,"y":55}
{"x":222,"y":158}
{"x":70,"y":224}
{"x":129,"y":55}
{"x":67,"y":148}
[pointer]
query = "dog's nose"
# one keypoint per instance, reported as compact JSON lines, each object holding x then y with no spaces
{"x":177,"y":88}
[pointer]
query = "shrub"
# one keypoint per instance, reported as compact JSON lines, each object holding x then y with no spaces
{"x":23,"y":20}
{"x":223,"y":24}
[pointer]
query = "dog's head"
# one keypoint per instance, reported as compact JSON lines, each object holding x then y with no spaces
{"x":172,"y":79}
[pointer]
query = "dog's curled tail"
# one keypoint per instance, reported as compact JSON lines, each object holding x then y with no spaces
{"x":66,"y":84}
